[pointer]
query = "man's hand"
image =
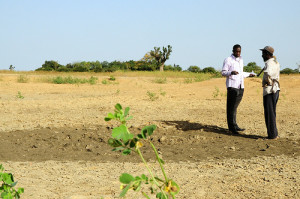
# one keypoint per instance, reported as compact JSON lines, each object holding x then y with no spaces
{"x":234,"y":72}
{"x":251,"y":75}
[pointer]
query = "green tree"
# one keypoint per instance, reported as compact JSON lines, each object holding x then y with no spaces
{"x":209,"y":70}
{"x":161,"y":56}
{"x":288,"y":71}
{"x":252,"y":66}
{"x":194,"y":69}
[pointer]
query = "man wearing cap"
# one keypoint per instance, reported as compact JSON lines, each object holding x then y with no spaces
{"x":271,"y":88}
{"x":233,"y":70}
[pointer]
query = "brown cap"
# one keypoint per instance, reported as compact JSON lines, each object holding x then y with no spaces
{"x":269,"y":49}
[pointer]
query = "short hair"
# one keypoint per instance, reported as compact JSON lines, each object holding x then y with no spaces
{"x":236,"y":46}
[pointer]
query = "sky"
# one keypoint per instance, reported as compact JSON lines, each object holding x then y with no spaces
{"x":201,"y":33}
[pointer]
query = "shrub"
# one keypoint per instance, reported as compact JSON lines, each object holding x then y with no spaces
{"x":194,"y":69}
{"x":209,"y":70}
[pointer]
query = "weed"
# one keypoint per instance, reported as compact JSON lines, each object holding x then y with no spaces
{"x":23,"y":79}
{"x":118,"y":92}
{"x":104,"y":81}
{"x":19,"y":95}
{"x":216,"y":92}
{"x":152,"y":96}
{"x":163,"y":93}
{"x":112,"y":78}
{"x":188,"y":80}
{"x":123,"y":140}
{"x":7,"y":189}
{"x":160,"y":80}
{"x":71,"y":80}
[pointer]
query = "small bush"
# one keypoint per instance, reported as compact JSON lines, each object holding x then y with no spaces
{"x":152,"y":96}
{"x":112,"y":78}
{"x":160,"y":80}
{"x":23,"y":79}
{"x":71,"y":80}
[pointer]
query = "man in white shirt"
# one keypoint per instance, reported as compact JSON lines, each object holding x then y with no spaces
{"x":271,"y":88}
{"x":233,"y":70}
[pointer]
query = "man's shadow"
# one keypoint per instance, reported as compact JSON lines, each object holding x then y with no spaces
{"x":187,"y":126}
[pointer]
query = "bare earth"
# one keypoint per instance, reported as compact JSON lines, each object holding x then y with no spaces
{"x":54,"y":140}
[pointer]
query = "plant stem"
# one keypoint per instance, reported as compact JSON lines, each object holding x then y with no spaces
{"x":159,"y":161}
{"x":149,"y":170}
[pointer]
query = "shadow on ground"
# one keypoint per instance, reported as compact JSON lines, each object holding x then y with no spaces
{"x":188,"y":126}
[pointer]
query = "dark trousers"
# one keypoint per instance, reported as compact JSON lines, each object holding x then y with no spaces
{"x":270,"y":102}
{"x":234,"y":97}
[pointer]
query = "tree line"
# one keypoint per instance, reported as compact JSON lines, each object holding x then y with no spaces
{"x":152,"y":61}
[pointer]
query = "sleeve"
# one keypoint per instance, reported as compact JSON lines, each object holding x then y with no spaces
{"x":246,"y":74}
{"x":226,"y":68}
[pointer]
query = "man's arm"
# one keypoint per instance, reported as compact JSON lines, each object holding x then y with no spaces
{"x":226,"y":69}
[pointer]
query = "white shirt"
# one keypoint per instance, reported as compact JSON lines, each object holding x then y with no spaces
{"x":272,"y":69}
{"x":230,"y":64}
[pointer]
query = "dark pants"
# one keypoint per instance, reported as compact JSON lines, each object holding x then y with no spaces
{"x":234,"y":97}
{"x":270,"y":102}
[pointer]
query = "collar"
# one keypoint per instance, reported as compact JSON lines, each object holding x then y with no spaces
{"x":236,"y":58}
{"x":269,"y":60}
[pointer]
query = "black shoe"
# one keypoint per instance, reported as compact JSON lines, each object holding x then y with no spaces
{"x":239,"y":129}
{"x":235,"y":132}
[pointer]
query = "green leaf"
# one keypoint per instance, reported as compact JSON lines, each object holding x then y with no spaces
{"x":118,"y":107}
{"x":114,"y":142}
{"x":14,"y":184}
{"x":126,"y":111}
{"x":144,"y":177}
{"x":160,"y":195}
{"x":123,"y":193}
{"x":8,"y":178}
{"x":109,"y":117}
{"x":126,"y":152}
{"x":126,"y":178}
{"x":133,"y":142}
{"x":118,"y":148}
{"x":121,"y":132}
{"x":148,"y":130}
{"x":175,"y":189}
{"x":21,"y":190}
{"x":129,"y":118}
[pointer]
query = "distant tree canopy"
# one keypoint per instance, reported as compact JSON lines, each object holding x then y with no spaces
{"x":289,"y":71}
{"x":251,"y":66}
{"x":105,"y":66}
{"x":194,"y":69}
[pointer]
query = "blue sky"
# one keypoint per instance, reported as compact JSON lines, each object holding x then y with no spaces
{"x":201,"y":33}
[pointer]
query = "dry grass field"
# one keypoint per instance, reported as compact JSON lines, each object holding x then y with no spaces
{"x":53,"y":136}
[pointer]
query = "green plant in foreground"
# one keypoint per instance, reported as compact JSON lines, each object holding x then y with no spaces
{"x":7,"y":190}
{"x":123,"y":140}
{"x":20,"y":96}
